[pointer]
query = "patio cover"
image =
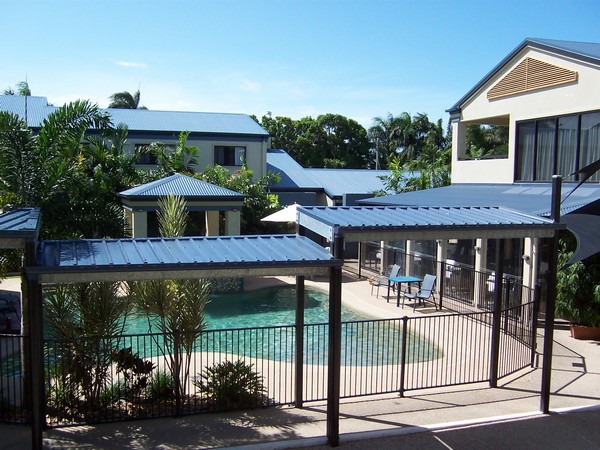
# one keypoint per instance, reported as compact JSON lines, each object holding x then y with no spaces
{"x":176,"y":258}
{"x":380,"y":223}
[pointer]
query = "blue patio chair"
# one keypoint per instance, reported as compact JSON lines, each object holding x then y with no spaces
{"x":379,"y":281}
{"x":424,"y":293}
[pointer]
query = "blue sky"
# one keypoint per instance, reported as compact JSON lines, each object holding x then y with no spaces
{"x":360,"y":59}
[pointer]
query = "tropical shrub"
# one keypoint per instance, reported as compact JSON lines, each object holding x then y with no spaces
{"x":232,"y":386}
{"x":578,"y":287}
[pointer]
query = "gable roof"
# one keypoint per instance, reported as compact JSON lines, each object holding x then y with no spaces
{"x":584,"y":51}
{"x":183,"y":185}
{"x":36,"y":109}
{"x":531,"y":198}
{"x":334,"y":182}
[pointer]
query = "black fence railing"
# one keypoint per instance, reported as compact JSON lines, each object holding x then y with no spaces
{"x":460,"y":287}
{"x":12,"y":402}
{"x":100,"y":379}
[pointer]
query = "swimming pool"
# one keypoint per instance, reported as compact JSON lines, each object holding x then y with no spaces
{"x":260,"y":324}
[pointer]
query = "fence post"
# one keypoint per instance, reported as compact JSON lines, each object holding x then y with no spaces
{"x":496,"y":318}
{"x":177,"y":364}
{"x":299,"y":342}
{"x":442,"y":284}
{"x":403,"y":354}
{"x":534,"y":315}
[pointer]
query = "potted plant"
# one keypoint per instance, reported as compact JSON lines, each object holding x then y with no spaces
{"x":578,"y":293}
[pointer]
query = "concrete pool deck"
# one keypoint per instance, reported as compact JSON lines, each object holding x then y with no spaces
{"x":473,"y":416}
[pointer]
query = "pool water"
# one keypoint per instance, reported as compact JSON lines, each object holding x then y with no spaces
{"x":263,"y":307}
{"x":252,"y":314}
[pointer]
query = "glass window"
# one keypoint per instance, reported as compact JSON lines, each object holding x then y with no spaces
{"x":567,"y":147}
{"x":590,"y":141}
{"x":146,"y":157}
{"x":560,"y":145}
{"x":226,"y":155}
{"x":544,"y":167}
{"x":526,"y":151}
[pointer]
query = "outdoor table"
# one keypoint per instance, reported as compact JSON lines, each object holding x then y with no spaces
{"x":399,"y":280}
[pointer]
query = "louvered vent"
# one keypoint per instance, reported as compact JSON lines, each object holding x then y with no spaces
{"x":529,"y":75}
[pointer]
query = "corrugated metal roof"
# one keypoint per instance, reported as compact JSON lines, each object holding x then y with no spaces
{"x":335,"y":182}
{"x":531,"y":198}
{"x":195,"y":122}
{"x":38,"y":109}
{"x":584,"y":51}
{"x":179,"y":184}
{"x":35,"y":108}
{"x":22,"y":222}
{"x":229,"y":254}
{"x":293,"y":175}
{"x":438,"y":222}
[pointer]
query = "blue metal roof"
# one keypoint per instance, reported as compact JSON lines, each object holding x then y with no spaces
{"x":392,"y":223}
{"x":124,"y":259}
{"x":531,"y":198}
{"x":22,"y":223}
{"x":37,"y":109}
{"x":335,"y":182}
{"x":195,"y":122}
{"x":183,"y":185}
{"x":585,"y":51}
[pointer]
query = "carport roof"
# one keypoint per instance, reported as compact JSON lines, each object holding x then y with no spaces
{"x":176,"y":258}
{"x":397,"y":222}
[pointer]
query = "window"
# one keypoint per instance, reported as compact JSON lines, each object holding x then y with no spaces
{"x":229,"y":155}
{"x":559,"y":145}
{"x":146,"y":157}
{"x":590,"y":141}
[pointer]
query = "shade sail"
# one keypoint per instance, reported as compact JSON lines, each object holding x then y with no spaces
{"x":287,"y":214}
{"x":586,"y":228}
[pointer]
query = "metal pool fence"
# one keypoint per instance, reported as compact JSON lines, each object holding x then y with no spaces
{"x":115,"y":378}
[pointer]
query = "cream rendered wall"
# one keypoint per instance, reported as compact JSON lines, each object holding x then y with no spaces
{"x":584,"y":95}
{"x":256,"y":151}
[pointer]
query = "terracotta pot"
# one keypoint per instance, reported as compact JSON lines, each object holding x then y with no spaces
{"x":585,"y":333}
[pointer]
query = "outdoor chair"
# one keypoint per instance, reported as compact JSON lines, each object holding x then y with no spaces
{"x":424,"y":293}
{"x":379,"y":281}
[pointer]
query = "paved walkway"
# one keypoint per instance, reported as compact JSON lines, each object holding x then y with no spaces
{"x":467,"y":417}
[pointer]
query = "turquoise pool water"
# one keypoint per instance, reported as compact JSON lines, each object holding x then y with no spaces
{"x":263,"y":307}
{"x":275,"y":307}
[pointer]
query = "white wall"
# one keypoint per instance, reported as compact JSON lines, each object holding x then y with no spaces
{"x":584,"y":95}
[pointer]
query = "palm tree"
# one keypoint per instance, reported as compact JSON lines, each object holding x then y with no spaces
{"x":22,"y":89}
{"x":382,"y":136}
{"x":126,"y":100}
{"x":182,"y":158}
{"x":177,"y":306}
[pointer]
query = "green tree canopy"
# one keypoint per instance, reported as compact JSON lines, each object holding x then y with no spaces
{"x":72,"y":177}
{"x":330,"y":140}
{"x":22,"y":88}
{"x":126,"y":100}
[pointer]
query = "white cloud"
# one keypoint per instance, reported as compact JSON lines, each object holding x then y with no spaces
{"x":131,"y":64}
{"x":251,"y":86}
